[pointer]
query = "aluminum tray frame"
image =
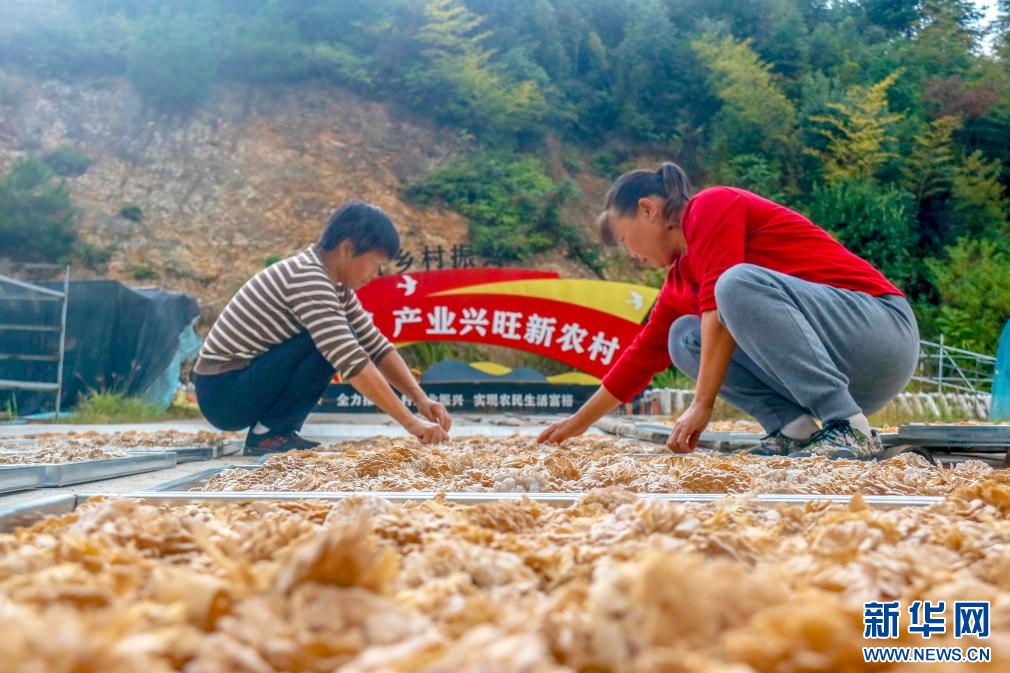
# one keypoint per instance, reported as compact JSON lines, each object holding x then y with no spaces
{"x":973,"y":438}
{"x":187,"y":482}
{"x":29,"y":513}
{"x":68,"y":474}
{"x":14,"y":478}
{"x":720,"y":441}
{"x":474,"y":498}
{"x":183,"y":454}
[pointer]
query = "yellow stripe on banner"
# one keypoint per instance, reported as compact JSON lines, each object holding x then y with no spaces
{"x":580,"y":378}
{"x":624,"y":300}
{"x":491,"y":368}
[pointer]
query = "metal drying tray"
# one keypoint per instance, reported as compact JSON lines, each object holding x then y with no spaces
{"x":26,"y":514}
{"x":976,"y":438}
{"x":191,"y":481}
{"x":68,"y":474}
{"x":31,"y":512}
{"x":183,"y":454}
{"x":21,"y":477}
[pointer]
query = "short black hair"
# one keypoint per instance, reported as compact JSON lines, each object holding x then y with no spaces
{"x":365,"y":225}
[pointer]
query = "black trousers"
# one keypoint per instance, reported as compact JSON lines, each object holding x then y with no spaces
{"x":277,"y":389}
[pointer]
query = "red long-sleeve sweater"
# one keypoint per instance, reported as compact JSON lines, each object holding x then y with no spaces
{"x":725,"y":226}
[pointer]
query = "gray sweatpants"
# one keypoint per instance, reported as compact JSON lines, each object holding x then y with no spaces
{"x":804,"y":348}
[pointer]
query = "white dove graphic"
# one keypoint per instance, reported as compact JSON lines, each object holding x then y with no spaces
{"x":408,"y":285}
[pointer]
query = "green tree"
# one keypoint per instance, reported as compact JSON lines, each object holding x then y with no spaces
{"x":875,"y":222}
{"x":461,"y":80}
{"x":753,"y":172}
{"x":929,"y":167}
{"x":1002,"y":28}
{"x":268,"y":47}
{"x":171,"y":61}
{"x":974,"y":286}
{"x":947,"y":37}
{"x":857,"y":133}
{"x":756,"y":116}
{"x":36,"y":219}
{"x":896,"y":16}
{"x":979,"y":205}
{"x":513,"y":206}
{"x":642,"y":65}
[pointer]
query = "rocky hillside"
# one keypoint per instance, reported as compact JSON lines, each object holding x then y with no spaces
{"x":250,"y":173}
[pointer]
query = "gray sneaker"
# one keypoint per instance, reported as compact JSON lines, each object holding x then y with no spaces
{"x":839,"y":440}
{"x":775,"y":444}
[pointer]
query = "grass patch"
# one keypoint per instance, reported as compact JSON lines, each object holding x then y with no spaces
{"x":143,"y":272}
{"x":110,"y":407}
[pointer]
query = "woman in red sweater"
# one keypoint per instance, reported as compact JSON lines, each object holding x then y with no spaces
{"x":762,"y":308}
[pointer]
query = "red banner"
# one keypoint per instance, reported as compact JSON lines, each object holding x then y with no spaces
{"x":435,"y":306}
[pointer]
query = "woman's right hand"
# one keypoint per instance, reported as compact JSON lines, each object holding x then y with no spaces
{"x":426,"y":432}
{"x":562,"y":430}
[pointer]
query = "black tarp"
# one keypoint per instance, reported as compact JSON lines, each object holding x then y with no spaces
{"x":118,"y":338}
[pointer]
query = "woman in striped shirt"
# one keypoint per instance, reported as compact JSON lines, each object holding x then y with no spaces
{"x":273,"y":350}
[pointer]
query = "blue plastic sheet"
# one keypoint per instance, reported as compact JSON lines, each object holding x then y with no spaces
{"x":999,"y":410}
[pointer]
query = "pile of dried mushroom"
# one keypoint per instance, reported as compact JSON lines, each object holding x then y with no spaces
{"x":612,"y":583}
{"x":519,"y":464}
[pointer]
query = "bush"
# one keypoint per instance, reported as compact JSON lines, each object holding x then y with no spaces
{"x":111,"y":407}
{"x":67,"y":161}
{"x":572,"y":162}
{"x":36,"y":219}
{"x":171,"y":62}
{"x":131,"y":211}
{"x":979,"y":206}
{"x":582,"y":248}
{"x":753,"y":173}
{"x":143,"y":272}
{"x":874,"y":221}
{"x":512,"y":204}
{"x":92,"y":256}
{"x":270,"y":260}
{"x":974,"y":286}
{"x":606,"y":164}
{"x":672,"y":378}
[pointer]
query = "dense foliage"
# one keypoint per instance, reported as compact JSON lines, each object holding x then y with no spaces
{"x":36,"y":219}
{"x":887,"y":121}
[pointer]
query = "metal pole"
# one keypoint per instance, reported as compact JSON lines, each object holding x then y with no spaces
{"x":30,"y":287}
{"x":63,"y":340}
{"x":939,"y":376}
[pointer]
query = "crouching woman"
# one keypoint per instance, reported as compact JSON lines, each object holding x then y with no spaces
{"x":276,"y":346}
{"x":762,"y":308}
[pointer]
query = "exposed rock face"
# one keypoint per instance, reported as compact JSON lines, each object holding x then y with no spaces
{"x":251,"y":172}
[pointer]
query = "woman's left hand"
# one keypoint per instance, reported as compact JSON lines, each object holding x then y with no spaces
{"x":435,"y":412}
{"x":688,"y":428}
